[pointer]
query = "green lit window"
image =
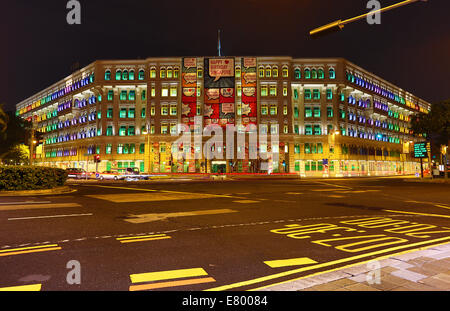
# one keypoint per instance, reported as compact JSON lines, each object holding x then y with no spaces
{"x":109,"y":113}
{"x":329,"y":94}
{"x":329,"y":112}
{"x":264,"y":109}
{"x":123,"y":95}
{"x":295,"y":112}
{"x":142,"y":148}
{"x":118,"y":75}
{"x":141,"y":74}
{"x":108,"y":75}
{"x":316,"y":94}
{"x":342,"y":98}
{"x":122,"y":131}
{"x":313,"y":74}
{"x":131,"y":113}
{"x":342,"y":113}
{"x":123,"y":113}
{"x":307,"y":94}
{"x":319,"y":148}
{"x":308,"y":130}
{"x":295,"y":94}
{"x":143,"y":113}
{"x":307,"y":149}
{"x":110,"y":95}
{"x":320,"y":74}
{"x":132,"y":150}
{"x":332,"y":73}
{"x":131,"y":131}
{"x":99,"y":115}
{"x":126,"y":149}
{"x":317,"y":130}
{"x":131,"y":75}
{"x":264,"y":90}
{"x":296,"y":129}
{"x":307,"y":74}
{"x":109,"y":131}
{"x":297,"y":149}
{"x":125,"y":75}
{"x":316,"y":112}
{"x":144,"y":95}
{"x":308,"y":112}
{"x":132,"y":95}
{"x":297,"y":73}
{"x":108,"y":149}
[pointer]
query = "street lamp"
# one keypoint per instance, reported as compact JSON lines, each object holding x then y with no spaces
{"x":339,"y":24}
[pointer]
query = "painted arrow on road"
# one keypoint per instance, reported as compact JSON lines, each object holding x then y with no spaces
{"x":143,"y":218}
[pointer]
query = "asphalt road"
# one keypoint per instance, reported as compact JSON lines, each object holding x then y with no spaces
{"x":212,"y":235}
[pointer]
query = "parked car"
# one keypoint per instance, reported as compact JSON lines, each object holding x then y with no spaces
{"x":108,"y":175}
{"x":77,"y":173}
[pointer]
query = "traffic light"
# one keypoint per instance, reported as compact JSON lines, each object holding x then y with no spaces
{"x":97,"y":158}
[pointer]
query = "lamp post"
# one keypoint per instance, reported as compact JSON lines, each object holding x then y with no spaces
{"x":339,"y":24}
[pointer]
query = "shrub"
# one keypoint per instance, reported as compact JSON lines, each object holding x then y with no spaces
{"x":30,"y":177}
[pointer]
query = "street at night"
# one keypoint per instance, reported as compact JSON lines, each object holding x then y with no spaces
{"x":199,"y":234}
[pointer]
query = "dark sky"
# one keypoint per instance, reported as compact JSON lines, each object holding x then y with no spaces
{"x":411,"y":47}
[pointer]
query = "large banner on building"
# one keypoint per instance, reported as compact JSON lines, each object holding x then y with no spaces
{"x":189,"y":90}
{"x":249,"y":89}
{"x":219,"y":91}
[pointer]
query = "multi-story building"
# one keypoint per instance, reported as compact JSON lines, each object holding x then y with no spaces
{"x":332,"y":117}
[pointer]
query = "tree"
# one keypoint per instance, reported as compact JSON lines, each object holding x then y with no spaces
{"x":435,"y":126}
{"x":17,"y":155}
{"x":17,"y":132}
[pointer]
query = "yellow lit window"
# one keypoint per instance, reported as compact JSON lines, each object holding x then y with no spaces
{"x":164,"y":92}
{"x":239,"y":90}
{"x":199,"y":73}
{"x":153,"y":73}
{"x":285,"y":72}
{"x":273,"y":110}
{"x":199,"y":91}
{"x":238,"y":72}
{"x":169,"y":73}
{"x":268,"y":72}
{"x":264,"y":90}
{"x":162,"y":73}
{"x":173,"y":91}
{"x":164,"y":130}
{"x":173,"y":110}
{"x":285,"y":91}
{"x":176,"y":72}
{"x":285,"y":110}
{"x":164,"y":110}
{"x":261,"y":72}
{"x":273,"y":90}
{"x":153,"y":111}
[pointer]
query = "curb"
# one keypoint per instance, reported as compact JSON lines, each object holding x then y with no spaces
{"x":57,"y":190}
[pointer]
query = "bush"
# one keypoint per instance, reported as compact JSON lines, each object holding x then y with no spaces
{"x":31,"y":177}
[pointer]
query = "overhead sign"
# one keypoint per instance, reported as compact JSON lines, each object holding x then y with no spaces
{"x":420,"y":150}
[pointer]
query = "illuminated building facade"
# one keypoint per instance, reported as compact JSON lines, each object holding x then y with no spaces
{"x":332,"y":117}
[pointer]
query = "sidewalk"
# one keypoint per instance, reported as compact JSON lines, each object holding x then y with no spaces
{"x":421,"y":270}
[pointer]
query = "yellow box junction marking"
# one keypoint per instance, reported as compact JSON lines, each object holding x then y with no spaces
{"x":150,"y":197}
{"x":143,"y":238}
{"x":31,"y":249}
{"x":289,"y":262}
{"x":172,"y":275}
{"x":322,"y":265}
{"x":22,"y":288}
{"x":37,"y":206}
{"x":413,"y":213}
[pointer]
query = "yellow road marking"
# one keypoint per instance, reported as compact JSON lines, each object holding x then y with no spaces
{"x":289,"y":262}
{"x":443,"y":206}
{"x":141,"y":236}
{"x":23,"y":288}
{"x":348,"y":266}
{"x":326,"y":264}
{"x":167,"y":275}
{"x":413,"y":213}
{"x":125,"y":188}
{"x":336,"y":196}
{"x":142,"y":218}
{"x":245,"y":201}
{"x":147,"y":239}
{"x":294,"y":193}
{"x":27,"y":248}
{"x":171,"y":284}
{"x":30,"y":251}
{"x":37,"y":206}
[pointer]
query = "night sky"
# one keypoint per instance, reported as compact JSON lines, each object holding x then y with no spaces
{"x":411,"y":47}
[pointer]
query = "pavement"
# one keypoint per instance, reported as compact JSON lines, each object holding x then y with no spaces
{"x":227,"y":235}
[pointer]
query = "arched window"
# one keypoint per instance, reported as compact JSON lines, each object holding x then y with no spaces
{"x":321,"y":73}
{"x":275,"y":71}
{"x":261,"y":72}
{"x":307,"y":73}
{"x":332,"y":73}
{"x":108,"y":75}
{"x":238,"y":72}
{"x":152,"y":73}
{"x":131,"y":75}
{"x":313,"y":74}
{"x":297,"y":73}
{"x":118,"y":75}
{"x":125,"y":75}
{"x":169,"y":72}
{"x":141,"y":74}
{"x":268,"y":72}
{"x":176,"y":73}
{"x":162,"y":72}
{"x":285,"y":72}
